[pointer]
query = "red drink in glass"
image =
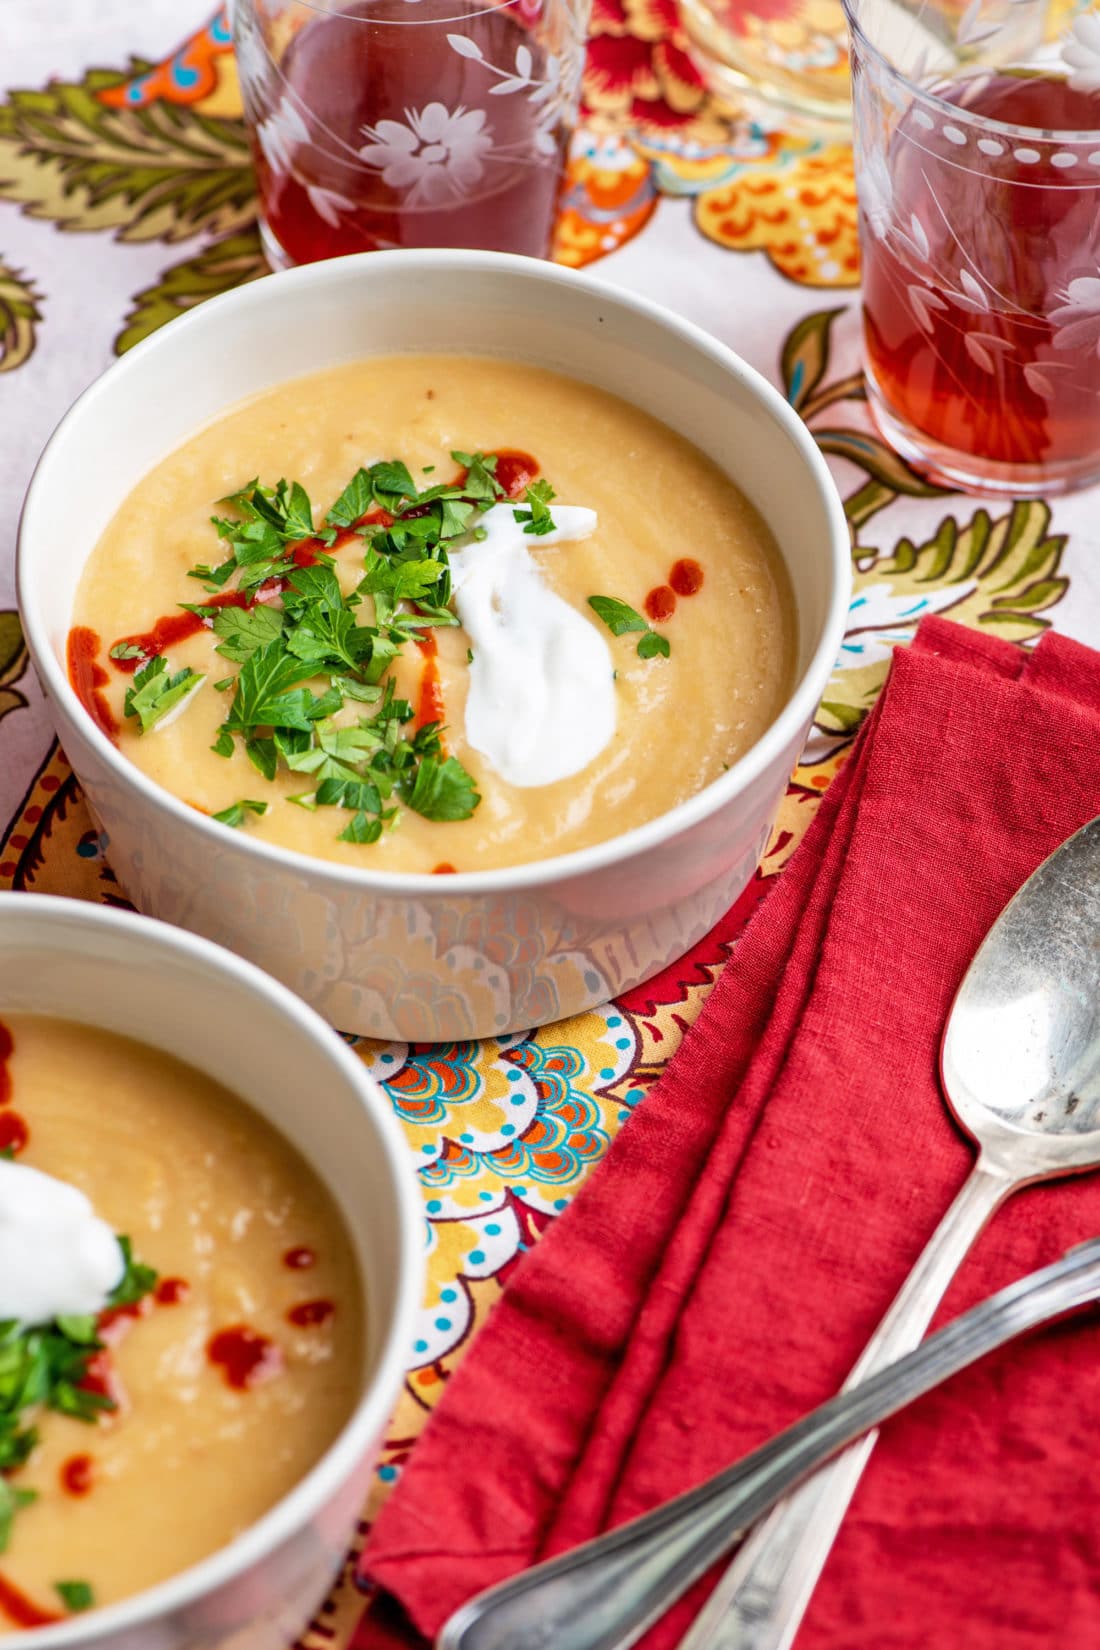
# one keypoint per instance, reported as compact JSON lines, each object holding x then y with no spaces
{"x":388,"y":123}
{"x":982,"y":277}
{"x":977,"y":138}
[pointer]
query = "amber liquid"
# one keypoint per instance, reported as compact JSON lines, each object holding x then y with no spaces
{"x":977,"y":338}
{"x":374,"y":65}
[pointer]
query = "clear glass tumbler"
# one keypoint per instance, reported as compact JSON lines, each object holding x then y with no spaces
{"x":978,"y":171}
{"x":789,"y":57}
{"x":387,"y":123}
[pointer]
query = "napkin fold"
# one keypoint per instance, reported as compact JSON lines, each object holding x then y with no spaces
{"x":721,"y":1270}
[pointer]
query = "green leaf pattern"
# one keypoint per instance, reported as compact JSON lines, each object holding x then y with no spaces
{"x":19,"y":313}
{"x":162,"y":172}
{"x":995,"y":573}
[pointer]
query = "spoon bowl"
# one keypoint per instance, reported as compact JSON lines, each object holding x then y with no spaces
{"x":1020,"y":1060}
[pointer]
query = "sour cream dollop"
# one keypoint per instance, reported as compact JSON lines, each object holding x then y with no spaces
{"x":541,"y":701}
{"x":57,"y":1258}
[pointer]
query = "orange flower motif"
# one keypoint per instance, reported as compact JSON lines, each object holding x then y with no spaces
{"x":802,"y":215}
{"x":609,"y":197}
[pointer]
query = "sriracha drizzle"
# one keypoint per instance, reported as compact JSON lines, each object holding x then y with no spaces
{"x":309,"y":1314}
{"x":247,"y":1358}
{"x":77,"y":1475}
{"x":21,"y":1610}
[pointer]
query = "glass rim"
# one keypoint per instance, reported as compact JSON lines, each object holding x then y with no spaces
{"x":343,"y":8}
{"x":1042,"y":134}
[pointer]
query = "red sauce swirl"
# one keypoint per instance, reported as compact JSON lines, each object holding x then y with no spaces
{"x":88,"y":678}
{"x":310,"y":1314}
{"x":172,"y":1291}
{"x":22,"y":1611}
{"x":78,"y":1475}
{"x":686,"y":577}
{"x":246,"y":1357}
{"x":14,"y":1132}
{"x":660,"y":603}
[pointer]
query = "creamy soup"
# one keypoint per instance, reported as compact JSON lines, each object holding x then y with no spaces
{"x":558,"y":620}
{"x":236,"y":1364}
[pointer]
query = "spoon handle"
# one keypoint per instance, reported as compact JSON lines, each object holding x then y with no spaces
{"x":760,"y":1601}
{"x":604,"y":1594}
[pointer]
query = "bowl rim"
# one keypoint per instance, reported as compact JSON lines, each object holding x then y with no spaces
{"x":293,"y":1511}
{"x":785,"y":729}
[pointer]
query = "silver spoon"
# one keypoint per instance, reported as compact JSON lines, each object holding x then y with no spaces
{"x":1020,"y":1064}
{"x":609,"y":1590}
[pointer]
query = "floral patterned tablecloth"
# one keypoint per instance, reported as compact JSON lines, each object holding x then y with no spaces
{"x":126,"y":197}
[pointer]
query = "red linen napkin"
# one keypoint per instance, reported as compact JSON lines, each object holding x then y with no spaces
{"x":722,"y":1269}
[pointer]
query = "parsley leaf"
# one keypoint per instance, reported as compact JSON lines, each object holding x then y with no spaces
{"x":137,"y":1280}
{"x":616,"y":615}
{"x":362,"y":829}
{"x":264,"y":756}
{"x":621,"y":620}
{"x":326,"y":637}
{"x":11,"y":1499}
{"x":364,"y":692}
{"x":391,"y":482}
{"x":400,"y":580}
{"x":537,"y":517}
{"x":155,"y":692}
{"x":359,"y":795}
{"x":299,"y":513}
{"x":652,"y":645}
{"x":262,"y":698}
{"x":82,"y":1330}
{"x":480,"y":481}
{"x":244,"y":629}
{"x":75,"y":1595}
{"x":353,"y":503}
{"x":234,"y":815}
{"x":127,"y":650}
{"x":442,"y":790}
{"x":315,"y":584}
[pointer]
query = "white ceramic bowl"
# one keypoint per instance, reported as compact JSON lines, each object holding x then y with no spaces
{"x":145,"y":980}
{"x":474,"y":954}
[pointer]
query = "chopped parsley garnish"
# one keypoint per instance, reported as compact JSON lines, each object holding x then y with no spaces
{"x":156,"y":691}
{"x":244,"y":629}
{"x":653,"y":646}
{"x":42,"y":1366}
{"x":537,"y":518}
{"x":236,"y":813}
{"x":75,"y":1595}
{"x":137,"y":1280}
{"x":313,"y":692}
{"x":441,"y":790}
{"x":621,"y":620}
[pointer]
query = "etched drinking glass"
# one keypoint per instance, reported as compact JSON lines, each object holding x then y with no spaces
{"x":978,"y":170}
{"x":389,"y":123}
